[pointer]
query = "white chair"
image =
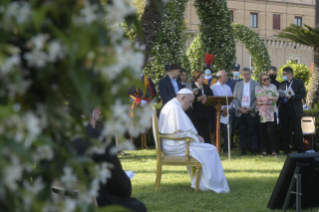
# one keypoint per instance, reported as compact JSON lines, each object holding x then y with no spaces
{"x":308,"y":126}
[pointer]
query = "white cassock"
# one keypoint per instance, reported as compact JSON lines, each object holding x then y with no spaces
{"x":173,"y":120}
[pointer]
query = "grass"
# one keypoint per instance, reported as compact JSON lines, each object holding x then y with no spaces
{"x":251,"y":180}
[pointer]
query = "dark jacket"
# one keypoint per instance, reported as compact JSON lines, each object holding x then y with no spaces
{"x":166,"y":88}
{"x":300,"y":92}
{"x":118,"y":189}
{"x":276,"y":83}
{"x":199,"y":110}
{"x":231,"y":83}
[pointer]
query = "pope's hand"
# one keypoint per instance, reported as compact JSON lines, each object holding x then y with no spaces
{"x":200,"y":138}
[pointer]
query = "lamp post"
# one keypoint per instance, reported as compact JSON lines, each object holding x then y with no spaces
{"x":317,"y":13}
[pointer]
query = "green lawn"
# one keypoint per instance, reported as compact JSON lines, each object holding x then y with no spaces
{"x":251,"y":180}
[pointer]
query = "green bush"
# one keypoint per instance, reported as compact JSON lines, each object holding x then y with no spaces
{"x":196,"y":54}
{"x":301,"y":71}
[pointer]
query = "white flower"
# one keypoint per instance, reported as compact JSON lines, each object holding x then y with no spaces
{"x":21,"y":11}
{"x":36,"y":186}
{"x":56,"y":51}
{"x":118,"y":11}
{"x":117,"y":33}
{"x":89,"y":12}
{"x":36,"y":58}
{"x":13,"y":173}
{"x":68,"y":179}
{"x":8,"y":65}
{"x":39,"y":40}
{"x":94,"y":188}
{"x":44,"y":152}
{"x":122,"y":146}
{"x":69,"y":205}
{"x":103,"y":172}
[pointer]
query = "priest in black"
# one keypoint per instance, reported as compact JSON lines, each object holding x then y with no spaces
{"x":118,"y":189}
{"x":290,"y":110}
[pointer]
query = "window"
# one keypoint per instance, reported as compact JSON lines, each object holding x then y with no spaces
{"x":276,"y":21}
{"x":298,"y":21}
{"x":296,"y":59}
{"x":254,"y":20}
{"x":231,"y":15}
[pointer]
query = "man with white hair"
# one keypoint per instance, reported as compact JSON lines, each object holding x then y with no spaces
{"x":221,"y":89}
{"x":174,"y":122}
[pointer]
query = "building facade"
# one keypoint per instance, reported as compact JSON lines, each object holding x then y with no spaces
{"x":267,"y":18}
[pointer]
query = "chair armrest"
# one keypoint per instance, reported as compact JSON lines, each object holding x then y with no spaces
{"x":186,"y":139}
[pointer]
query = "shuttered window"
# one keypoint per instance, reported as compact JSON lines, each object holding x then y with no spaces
{"x":276,"y":21}
{"x":254,"y":20}
{"x":298,"y":21}
{"x":231,"y":15}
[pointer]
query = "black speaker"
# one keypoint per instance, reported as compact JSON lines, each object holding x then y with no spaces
{"x":308,"y":170}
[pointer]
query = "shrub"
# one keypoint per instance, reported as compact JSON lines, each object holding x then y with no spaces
{"x":301,"y":71}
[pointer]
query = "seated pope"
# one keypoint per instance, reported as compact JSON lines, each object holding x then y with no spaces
{"x":174,"y":122}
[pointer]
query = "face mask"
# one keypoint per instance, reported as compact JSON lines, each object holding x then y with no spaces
{"x":236,"y":73}
{"x":208,"y":72}
{"x":272,"y":76}
{"x":285,"y":78}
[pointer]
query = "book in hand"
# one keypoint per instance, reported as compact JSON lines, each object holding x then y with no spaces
{"x":287,"y":92}
{"x":130,"y":174}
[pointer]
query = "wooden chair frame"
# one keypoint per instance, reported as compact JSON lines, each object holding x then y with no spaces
{"x":170,"y":160}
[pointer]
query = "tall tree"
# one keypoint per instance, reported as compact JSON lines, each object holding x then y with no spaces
{"x":307,"y":37}
{"x":150,"y":23}
{"x":217,"y":32}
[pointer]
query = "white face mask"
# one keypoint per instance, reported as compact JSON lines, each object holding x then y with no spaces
{"x":208,"y":72}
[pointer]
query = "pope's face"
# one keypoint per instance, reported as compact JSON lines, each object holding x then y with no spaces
{"x":187,"y":101}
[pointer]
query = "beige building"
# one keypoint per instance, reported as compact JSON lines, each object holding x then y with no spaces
{"x":267,"y":18}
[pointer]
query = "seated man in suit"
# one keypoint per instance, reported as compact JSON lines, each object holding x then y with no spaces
{"x":245,"y":103}
{"x":169,"y":85}
{"x":290,"y":109}
{"x":118,"y":189}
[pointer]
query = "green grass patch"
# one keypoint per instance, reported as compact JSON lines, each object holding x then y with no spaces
{"x":251,"y":180}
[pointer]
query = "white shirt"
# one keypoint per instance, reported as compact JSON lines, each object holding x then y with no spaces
{"x":245,"y":101}
{"x":219,"y":90}
{"x":175,"y":86}
{"x":208,"y":77}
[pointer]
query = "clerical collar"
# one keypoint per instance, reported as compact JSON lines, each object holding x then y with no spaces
{"x":208,"y":77}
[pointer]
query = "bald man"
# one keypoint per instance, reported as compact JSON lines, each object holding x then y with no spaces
{"x":221,"y":89}
{"x":174,"y":122}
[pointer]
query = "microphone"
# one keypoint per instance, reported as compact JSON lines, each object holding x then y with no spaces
{"x":215,"y":76}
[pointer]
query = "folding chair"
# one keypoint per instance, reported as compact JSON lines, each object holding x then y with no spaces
{"x":308,"y":126}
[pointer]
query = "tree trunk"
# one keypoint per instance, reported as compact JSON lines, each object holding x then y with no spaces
{"x":150,"y":22}
{"x":313,"y":92}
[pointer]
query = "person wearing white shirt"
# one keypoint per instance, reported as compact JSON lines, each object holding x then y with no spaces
{"x":221,"y":89}
{"x":245,"y":104}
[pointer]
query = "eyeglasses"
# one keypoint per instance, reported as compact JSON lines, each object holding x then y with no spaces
{"x":266,"y":79}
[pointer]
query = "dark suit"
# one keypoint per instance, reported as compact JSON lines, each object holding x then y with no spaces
{"x":118,"y":189}
{"x":232,"y":82}
{"x":166,"y":88}
{"x":202,"y":114}
{"x":232,"y":118}
{"x":291,"y":112}
{"x":276,"y":83}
